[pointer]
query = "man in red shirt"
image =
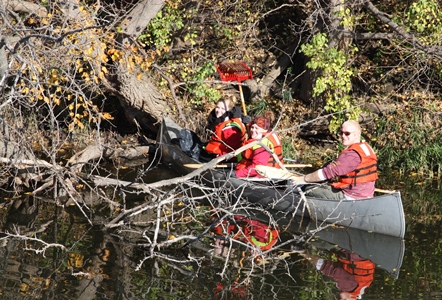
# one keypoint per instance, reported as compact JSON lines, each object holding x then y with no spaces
{"x":355,"y":168}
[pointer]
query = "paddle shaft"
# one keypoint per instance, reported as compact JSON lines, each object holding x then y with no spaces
{"x":383,"y":191}
{"x":243,"y":102}
{"x":196,"y":166}
{"x":275,"y":173}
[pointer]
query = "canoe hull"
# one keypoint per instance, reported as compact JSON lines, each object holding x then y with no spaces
{"x":382,"y":214}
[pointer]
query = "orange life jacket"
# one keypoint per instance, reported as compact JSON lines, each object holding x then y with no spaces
{"x":217,"y":146}
{"x":363,"y":272}
{"x":366,"y":171}
{"x":272,"y":141}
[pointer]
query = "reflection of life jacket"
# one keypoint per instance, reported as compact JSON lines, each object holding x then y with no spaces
{"x":272,"y":142}
{"x":260,"y":235}
{"x":257,"y":233}
{"x":366,"y":170}
{"x":220,"y":147}
{"x":363,"y":272}
{"x":237,"y":291}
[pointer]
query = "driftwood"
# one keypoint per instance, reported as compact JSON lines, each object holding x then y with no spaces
{"x":97,"y":151}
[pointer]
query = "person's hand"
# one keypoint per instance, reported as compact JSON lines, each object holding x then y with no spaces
{"x":298,"y":180}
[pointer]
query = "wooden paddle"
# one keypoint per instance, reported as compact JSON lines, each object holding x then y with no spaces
{"x":275,"y":173}
{"x":196,"y":166}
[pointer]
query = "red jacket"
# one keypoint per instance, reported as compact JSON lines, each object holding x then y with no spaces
{"x":366,"y":171}
{"x":228,"y":136}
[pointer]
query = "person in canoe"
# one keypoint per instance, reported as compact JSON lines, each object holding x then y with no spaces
{"x":227,"y":128}
{"x":262,"y":153}
{"x":355,"y":168}
{"x":228,"y":132}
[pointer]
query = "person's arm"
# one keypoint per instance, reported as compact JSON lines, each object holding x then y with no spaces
{"x":260,"y":157}
{"x":344,"y":280}
{"x":345,"y":163}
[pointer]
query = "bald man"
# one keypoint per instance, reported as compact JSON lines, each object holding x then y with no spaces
{"x":355,"y":170}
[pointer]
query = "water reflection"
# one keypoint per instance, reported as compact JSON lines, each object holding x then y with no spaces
{"x":352,"y":273}
{"x":265,"y":259}
{"x":257,"y":235}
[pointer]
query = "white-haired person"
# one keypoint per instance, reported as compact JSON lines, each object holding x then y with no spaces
{"x":355,"y":170}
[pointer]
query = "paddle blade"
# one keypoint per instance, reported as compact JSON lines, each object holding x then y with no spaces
{"x":274,"y":173}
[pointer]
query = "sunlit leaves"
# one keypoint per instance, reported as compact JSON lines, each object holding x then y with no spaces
{"x":161,"y":28}
{"x":71,"y":77}
{"x":334,"y":81}
{"x":424,"y":17}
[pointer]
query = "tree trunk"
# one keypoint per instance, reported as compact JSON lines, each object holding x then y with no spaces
{"x":142,"y":102}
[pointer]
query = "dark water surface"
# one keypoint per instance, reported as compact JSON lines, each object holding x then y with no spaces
{"x":98,"y":264}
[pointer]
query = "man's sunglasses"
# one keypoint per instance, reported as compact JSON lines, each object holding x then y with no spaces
{"x":347,"y":133}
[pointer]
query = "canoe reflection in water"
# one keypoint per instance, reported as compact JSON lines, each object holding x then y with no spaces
{"x":352,"y":273}
{"x":352,"y":256}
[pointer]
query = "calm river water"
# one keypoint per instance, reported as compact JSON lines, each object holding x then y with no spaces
{"x":98,"y":264}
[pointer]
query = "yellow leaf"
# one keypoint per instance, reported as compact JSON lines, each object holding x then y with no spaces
{"x":89,"y":51}
{"x":107,"y":116}
{"x":139,"y":76}
{"x":104,"y":58}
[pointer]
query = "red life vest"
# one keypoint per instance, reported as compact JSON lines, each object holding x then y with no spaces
{"x":363,"y":272}
{"x":261,"y":235}
{"x":257,"y":233}
{"x":366,"y":171}
{"x":272,"y":141}
{"x":219,"y":147}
